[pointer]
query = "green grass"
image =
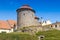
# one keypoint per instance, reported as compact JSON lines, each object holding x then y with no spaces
{"x":17,"y":36}
{"x":50,"y":35}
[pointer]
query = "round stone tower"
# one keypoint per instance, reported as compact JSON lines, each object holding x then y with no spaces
{"x":26,"y":16}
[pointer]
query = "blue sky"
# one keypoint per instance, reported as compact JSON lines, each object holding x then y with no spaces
{"x":48,"y":9}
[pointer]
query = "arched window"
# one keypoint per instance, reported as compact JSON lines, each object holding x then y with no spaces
{"x":51,"y":26}
{"x":55,"y":26}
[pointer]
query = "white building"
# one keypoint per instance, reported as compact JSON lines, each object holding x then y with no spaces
{"x":55,"y":25}
{"x":46,"y":22}
{"x":7,"y":26}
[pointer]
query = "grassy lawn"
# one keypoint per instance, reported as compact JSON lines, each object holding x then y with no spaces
{"x":17,"y":36}
{"x":50,"y":35}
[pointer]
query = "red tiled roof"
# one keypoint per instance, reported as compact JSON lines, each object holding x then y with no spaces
{"x":26,"y":6}
{"x":7,"y":24}
{"x":56,"y":23}
{"x":4,"y":25}
{"x":12,"y":22}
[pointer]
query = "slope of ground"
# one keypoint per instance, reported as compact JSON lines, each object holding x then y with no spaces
{"x":50,"y":35}
{"x":17,"y":36}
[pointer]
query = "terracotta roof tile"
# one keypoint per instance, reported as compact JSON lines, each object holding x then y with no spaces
{"x":4,"y":25}
{"x":7,"y":24}
{"x":26,"y":6}
{"x":56,"y":23}
{"x":12,"y":23}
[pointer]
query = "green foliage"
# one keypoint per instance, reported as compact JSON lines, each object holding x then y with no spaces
{"x":17,"y":36}
{"x":50,"y":35}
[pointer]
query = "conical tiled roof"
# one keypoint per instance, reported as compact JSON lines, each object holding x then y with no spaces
{"x":7,"y":24}
{"x":26,"y":6}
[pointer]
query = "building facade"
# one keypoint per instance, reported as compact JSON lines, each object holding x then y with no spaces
{"x":7,"y":26}
{"x":47,"y":22}
{"x":26,"y":17}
